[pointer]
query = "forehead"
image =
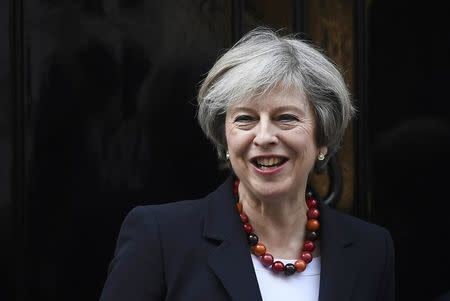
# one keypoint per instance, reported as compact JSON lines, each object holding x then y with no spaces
{"x":275,"y":99}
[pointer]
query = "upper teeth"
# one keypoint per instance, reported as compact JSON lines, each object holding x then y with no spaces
{"x":268,"y":161}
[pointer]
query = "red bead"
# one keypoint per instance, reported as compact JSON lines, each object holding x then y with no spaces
{"x":278,"y":266}
{"x":248,"y":228}
{"x":239,"y":207}
{"x":267,"y":259}
{"x":311,"y":203}
{"x":306,"y":256}
{"x":309,"y":246}
{"x":313,"y":213}
{"x":312,"y":225}
{"x":244,"y":217}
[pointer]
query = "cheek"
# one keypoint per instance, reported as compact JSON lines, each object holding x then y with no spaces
{"x":239,"y":145}
{"x":229,"y":136}
{"x":305,"y":136}
{"x":303,"y":143}
{"x":306,"y":129}
{"x":235,"y":140}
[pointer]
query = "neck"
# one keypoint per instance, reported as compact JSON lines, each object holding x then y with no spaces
{"x":280,"y":222}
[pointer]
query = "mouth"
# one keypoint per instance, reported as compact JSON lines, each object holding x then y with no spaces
{"x":266,"y":163}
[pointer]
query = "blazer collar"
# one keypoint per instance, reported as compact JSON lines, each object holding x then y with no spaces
{"x":231,"y":260}
{"x":338,"y":253}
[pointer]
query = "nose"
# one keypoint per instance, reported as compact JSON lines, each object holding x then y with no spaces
{"x":266,"y":134}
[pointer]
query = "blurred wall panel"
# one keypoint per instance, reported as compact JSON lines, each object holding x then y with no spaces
{"x":6,"y":156}
{"x":409,"y":134}
{"x":276,"y":14}
{"x":330,"y":24}
{"x":110,"y":125}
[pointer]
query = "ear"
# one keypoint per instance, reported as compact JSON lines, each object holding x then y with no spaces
{"x":323,"y":150}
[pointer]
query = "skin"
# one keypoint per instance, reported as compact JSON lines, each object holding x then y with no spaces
{"x":279,"y":125}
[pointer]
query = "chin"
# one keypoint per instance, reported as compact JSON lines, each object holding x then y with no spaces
{"x":268,"y":191}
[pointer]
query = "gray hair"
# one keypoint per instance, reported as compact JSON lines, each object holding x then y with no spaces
{"x":263,"y":60}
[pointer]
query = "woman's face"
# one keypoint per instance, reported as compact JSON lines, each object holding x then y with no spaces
{"x":271,"y":144}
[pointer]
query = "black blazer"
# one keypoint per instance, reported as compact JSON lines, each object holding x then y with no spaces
{"x":197,"y":250}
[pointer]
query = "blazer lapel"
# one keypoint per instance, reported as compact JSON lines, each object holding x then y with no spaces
{"x":231,"y":260}
{"x":338,"y":267}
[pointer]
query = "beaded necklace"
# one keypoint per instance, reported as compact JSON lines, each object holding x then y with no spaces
{"x":259,"y":249}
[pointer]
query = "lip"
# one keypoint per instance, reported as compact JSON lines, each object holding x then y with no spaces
{"x":271,"y":171}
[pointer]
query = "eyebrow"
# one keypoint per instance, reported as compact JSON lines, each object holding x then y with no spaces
{"x":277,"y":109}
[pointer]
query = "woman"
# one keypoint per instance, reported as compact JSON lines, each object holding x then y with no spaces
{"x":274,"y":107}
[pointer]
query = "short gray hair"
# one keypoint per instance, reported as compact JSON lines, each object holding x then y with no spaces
{"x":263,"y":60}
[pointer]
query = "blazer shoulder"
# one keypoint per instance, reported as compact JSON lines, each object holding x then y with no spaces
{"x":172,"y":212}
{"x":364,"y":229}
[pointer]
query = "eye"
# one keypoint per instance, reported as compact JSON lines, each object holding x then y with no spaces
{"x":245,"y":122}
{"x":287,"y":118}
{"x":244,"y":118}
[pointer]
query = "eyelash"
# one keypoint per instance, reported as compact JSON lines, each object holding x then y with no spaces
{"x":287,"y":117}
{"x":282,"y":117}
{"x":244,"y":118}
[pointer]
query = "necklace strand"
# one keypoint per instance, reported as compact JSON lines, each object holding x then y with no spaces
{"x":259,"y":249}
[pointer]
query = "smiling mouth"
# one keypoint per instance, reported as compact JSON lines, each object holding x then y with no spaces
{"x":268,"y":162}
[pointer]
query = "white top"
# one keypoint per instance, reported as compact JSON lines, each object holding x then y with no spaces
{"x":302,"y":286}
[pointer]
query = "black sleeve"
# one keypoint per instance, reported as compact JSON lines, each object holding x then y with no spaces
{"x":136,"y":272}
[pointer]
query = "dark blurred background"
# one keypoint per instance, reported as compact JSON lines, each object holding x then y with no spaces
{"x":97,"y":115}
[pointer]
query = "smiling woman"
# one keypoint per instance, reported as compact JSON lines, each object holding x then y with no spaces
{"x":271,"y":146}
{"x":273,"y":106}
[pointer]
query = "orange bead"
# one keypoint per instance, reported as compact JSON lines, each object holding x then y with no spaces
{"x":239,"y":207}
{"x":312,"y":225}
{"x":259,"y":249}
{"x":300,"y":265}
